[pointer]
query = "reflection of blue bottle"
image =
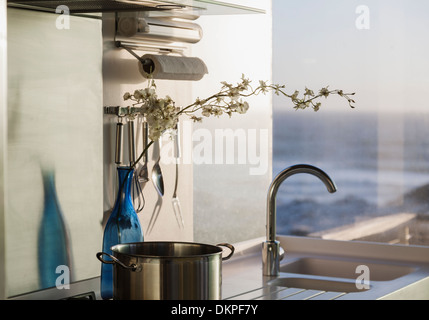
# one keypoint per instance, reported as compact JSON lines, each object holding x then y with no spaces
{"x":53,"y":245}
{"x":123,"y":226}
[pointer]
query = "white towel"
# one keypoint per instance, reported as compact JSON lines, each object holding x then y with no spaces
{"x":173,"y":67}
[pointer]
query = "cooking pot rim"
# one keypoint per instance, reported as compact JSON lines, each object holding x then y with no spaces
{"x":217,"y":250}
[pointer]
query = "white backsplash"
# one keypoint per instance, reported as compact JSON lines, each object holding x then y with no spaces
{"x":54,"y":101}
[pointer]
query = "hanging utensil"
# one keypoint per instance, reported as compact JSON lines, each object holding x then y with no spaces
{"x":136,"y":192}
{"x":143,"y":174}
{"x":118,"y":146}
{"x":158,"y":183}
{"x":131,"y":141}
{"x":157,"y":178}
{"x":175,"y":200}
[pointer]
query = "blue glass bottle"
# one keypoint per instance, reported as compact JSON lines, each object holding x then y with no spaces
{"x":53,"y":240}
{"x":123,"y":226}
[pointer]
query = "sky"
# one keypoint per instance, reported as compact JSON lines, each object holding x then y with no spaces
{"x":380,"y":51}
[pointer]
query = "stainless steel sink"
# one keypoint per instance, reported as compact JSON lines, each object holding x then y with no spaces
{"x":335,"y":275}
{"x":317,"y":284}
{"x":345,"y":269}
{"x":317,"y":269}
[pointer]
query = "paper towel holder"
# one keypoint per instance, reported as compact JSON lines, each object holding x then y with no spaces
{"x":191,"y":69}
{"x":146,"y":63}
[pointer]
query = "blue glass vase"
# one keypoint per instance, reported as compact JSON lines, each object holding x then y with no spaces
{"x":122,"y":227}
{"x":53,"y":240}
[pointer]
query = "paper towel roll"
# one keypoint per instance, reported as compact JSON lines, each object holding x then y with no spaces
{"x":172,"y":67}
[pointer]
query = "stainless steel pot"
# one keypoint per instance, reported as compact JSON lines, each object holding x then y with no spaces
{"x":167,"y":270}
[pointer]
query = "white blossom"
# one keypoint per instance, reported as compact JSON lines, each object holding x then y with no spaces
{"x":162,"y":115}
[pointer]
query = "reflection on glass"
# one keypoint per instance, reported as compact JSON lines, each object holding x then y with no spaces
{"x":52,"y":117}
{"x":53,"y":241}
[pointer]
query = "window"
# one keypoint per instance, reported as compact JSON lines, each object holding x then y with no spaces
{"x":378,"y":153}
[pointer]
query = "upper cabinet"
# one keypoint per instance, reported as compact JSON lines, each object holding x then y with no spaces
{"x":198,"y":7}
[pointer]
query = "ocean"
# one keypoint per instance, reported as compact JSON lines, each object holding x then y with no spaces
{"x":377,"y":160}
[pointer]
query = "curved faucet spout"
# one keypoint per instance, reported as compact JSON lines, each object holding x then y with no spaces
{"x":275,"y":185}
{"x":271,"y":248}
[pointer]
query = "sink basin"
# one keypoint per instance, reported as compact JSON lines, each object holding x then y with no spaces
{"x":318,"y":269}
{"x":317,"y":284}
{"x":345,"y":269}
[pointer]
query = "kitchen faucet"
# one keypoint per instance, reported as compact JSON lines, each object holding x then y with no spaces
{"x":271,"y":251}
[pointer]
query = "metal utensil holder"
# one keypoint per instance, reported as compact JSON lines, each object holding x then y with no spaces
{"x":124,"y":111}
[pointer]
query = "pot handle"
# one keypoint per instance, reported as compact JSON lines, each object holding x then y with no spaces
{"x":132,"y":267}
{"x":230,"y":247}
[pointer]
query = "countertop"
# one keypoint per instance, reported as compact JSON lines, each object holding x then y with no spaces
{"x":242,"y":277}
{"x":243,"y":280}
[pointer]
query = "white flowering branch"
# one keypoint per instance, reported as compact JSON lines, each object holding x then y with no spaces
{"x":162,"y":114}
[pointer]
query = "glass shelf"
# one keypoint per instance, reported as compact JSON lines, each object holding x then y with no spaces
{"x":200,"y":7}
